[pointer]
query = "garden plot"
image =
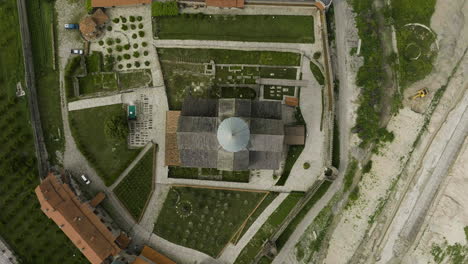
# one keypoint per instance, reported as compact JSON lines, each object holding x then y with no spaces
{"x":135,"y":79}
{"x":208,"y":174}
{"x":128,"y":39}
{"x":98,"y":82}
{"x":276,"y":92}
{"x":135,"y":189}
{"x":205,"y":219}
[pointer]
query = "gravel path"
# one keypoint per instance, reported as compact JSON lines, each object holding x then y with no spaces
{"x":95,"y":102}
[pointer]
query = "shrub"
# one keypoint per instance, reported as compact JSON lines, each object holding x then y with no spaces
{"x":134,"y":36}
{"x":317,"y":55}
{"x":306,"y":165}
{"x":136,"y":54}
{"x":135,"y":46}
{"x":169,"y":8}
{"x":132,"y":26}
{"x":129,"y":65}
{"x":101,"y":43}
{"x":108,"y":63}
{"x":109,"y":50}
{"x":109,"y":42}
{"x":141,"y":34}
{"x":367,"y":168}
{"x":116,"y":20}
{"x":124,"y":20}
{"x":139,"y":18}
{"x":118,"y":48}
{"x":126,"y":56}
{"x":144,"y":44}
{"x":117,"y":40}
{"x":120,"y":66}
{"x":140,"y":26}
{"x":137,"y":64}
{"x":119,"y":58}
{"x":147,"y":63}
{"x":127,"y":46}
{"x":132,"y":19}
{"x":124,"y":27}
{"x":109,"y":28}
{"x":145,"y":53}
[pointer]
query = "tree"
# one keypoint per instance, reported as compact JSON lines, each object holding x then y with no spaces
{"x":116,"y":128}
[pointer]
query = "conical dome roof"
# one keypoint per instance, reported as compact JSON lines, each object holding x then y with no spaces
{"x":233,"y":134}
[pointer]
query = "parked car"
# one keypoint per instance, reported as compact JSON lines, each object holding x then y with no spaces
{"x":85,"y":179}
{"x":77,"y":51}
{"x":72,"y":26}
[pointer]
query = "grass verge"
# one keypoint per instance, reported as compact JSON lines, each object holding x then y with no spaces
{"x":293,"y":154}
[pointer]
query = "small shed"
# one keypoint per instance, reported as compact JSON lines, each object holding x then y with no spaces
{"x":132,"y":112}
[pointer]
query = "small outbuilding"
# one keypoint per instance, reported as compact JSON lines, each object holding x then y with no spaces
{"x":92,"y":26}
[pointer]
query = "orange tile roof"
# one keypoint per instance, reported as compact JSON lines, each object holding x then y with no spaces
{"x":109,"y":3}
{"x":100,"y":17}
{"x":97,"y":199}
{"x":172,"y":157}
{"x":151,"y":256}
{"x":291,"y":101}
{"x":88,"y":27}
{"x":77,"y":220}
{"x":225,"y":3}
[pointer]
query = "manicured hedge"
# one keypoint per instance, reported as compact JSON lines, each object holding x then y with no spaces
{"x":164,"y":8}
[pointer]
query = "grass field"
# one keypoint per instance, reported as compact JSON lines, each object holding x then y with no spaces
{"x":41,"y":17}
{"x":108,"y":157}
{"x":238,"y":92}
{"x":204,"y":219}
{"x":32,"y":236}
{"x":134,"y":79}
{"x":296,"y":29}
{"x":249,"y":252}
{"x":135,"y":189}
{"x":317,"y":73}
{"x":98,"y":82}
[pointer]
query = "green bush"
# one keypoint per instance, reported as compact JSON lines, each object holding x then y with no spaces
{"x":109,"y":50}
{"x":120,"y":66}
{"x":129,"y":65}
{"x":306,"y":165}
{"x":127,"y":46}
{"x":144,"y":44}
{"x":124,"y":27}
{"x":134,"y":36}
{"x":119,"y":58}
{"x":317,"y":55}
{"x":136,"y":54}
{"x":145,"y":53}
{"x":101,"y":43}
{"x":109,"y":42}
{"x":141,"y":34}
{"x":109,"y":28}
{"x":367,"y":168}
{"x":118,"y":48}
{"x":132,"y":19}
{"x":137,"y":64}
{"x":140,"y":26}
{"x":169,"y":8}
{"x":116,"y":128}
{"x":116,"y":20}
{"x":135,"y":46}
{"x":124,"y":20}
{"x":117,"y":40}
{"x":126,"y":56}
{"x":132,"y":26}
{"x":147,"y":63}
{"x":139,"y":18}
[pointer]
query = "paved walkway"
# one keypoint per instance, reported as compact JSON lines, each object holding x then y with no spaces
{"x":255,"y":10}
{"x":268,"y":81}
{"x":231,"y":252}
{"x":95,"y":102}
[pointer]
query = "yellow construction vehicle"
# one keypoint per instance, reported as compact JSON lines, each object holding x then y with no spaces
{"x":420,"y":94}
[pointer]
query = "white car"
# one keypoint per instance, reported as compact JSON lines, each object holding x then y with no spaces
{"x":77,"y":51}
{"x":86,"y":180}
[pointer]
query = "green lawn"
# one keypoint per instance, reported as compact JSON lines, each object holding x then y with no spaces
{"x":204,"y":219}
{"x":238,"y":92}
{"x":98,"y":82}
{"x":222,"y":56}
{"x":296,"y":29}
{"x":208,"y":174}
{"x":293,"y":153}
{"x":94,"y":62}
{"x":109,"y":157}
{"x":249,"y":252}
{"x":41,"y":18}
{"x":135,"y":189}
{"x":134,"y":79}
{"x":278,"y":73}
{"x":283,"y":238}
{"x":31,"y":235}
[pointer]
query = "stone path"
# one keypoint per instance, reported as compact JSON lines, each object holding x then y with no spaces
{"x":95,"y":102}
